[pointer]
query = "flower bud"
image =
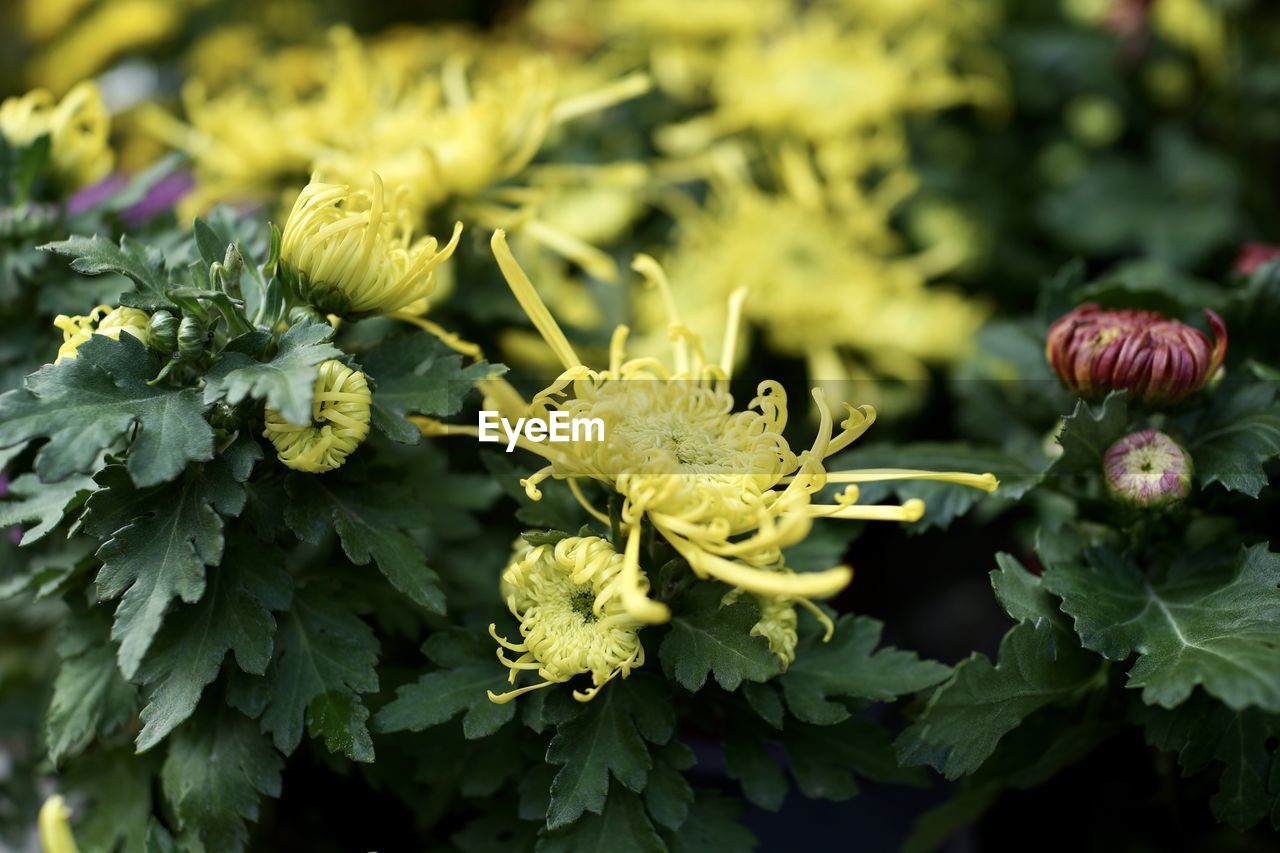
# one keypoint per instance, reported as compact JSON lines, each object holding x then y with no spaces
{"x":1155,"y":359}
{"x":349,"y":253}
{"x":1254,"y":256}
{"x":162,"y":332}
{"x":1147,"y":470}
{"x":192,"y":336}
{"x":339,"y":422}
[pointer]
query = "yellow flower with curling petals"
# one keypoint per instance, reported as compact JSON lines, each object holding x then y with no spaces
{"x":339,"y":422}
{"x":571,"y":621}
{"x":103,"y":320}
{"x":351,"y":254}
{"x":78,"y":127}
{"x":722,"y":487}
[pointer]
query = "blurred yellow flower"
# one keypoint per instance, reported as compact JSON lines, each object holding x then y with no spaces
{"x":826,"y":277}
{"x":77,"y":126}
{"x":94,"y":39}
{"x":55,"y":828}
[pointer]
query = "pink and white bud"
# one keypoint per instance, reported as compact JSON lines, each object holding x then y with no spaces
{"x":1147,"y":470}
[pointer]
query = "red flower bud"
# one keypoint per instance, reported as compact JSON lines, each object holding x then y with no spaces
{"x":1155,"y":359}
{"x":1253,"y":255}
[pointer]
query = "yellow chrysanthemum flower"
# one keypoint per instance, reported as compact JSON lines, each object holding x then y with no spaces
{"x":571,"y":621}
{"x":78,"y":127}
{"x":723,"y":487}
{"x":54,"y":825}
{"x":829,"y":83}
{"x":92,"y":40}
{"x":827,"y":277}
{"x":339,"y":422}
{"x":103,"y":320}
{"x":351,"y":254}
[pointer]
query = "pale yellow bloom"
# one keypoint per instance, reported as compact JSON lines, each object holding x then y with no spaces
{"x":722,"y":487}
{"x":339,"y":422}
{"x":827,"y":279}
{"x":54,"y":824}
{"x":103,"y":320}
{"x":77,"y":126}
{"x":571,"y":620}
{"x":1194,"y":25}
{"x":351,"y":253}
{"x":448,"y":121}
{"x":109,"y":30}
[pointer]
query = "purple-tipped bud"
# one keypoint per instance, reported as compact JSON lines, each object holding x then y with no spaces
{"x":1155,"y":359}
{"x":1148,"y":470}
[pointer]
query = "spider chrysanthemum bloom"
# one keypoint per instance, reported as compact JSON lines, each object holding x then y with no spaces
{"x":1157,"y":360}
{"x":339,"y":422}
{"x":1147,"y":470}
{"x":77,"y":126}
{"x":829,"y":281}
{"x":571,"y":620}
{"x":103,"y":320}
{"x":722,"y":487}
{"x":351,"y":253}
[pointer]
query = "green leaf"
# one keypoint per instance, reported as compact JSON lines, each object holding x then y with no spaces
{"x":1218,"y":627}
{"x":1239,"y":435}
{"x":1204,"y":732}
{"x":468,"y":672}
{"x":157,"y":544}
{"x":1023,"y":595}
{"x":944,"y":502}
{"x":747,"y":760}
{"x":285,"y":383}
{"x":417,"y":375}
{"x":712,"y":827}
{"x":607,"y":738}
{"x":827,"y":761}
{"x":87,"y":405}
{"x":97,"y":255}
{"x":41,"y":503}
{"x":707,"y":637}
{"x":322,"y":647}
{"x":115,"y":786}
{"x":558,"y":509}
{"x":90,"y":696}
{"x":233,"y":615}
{"x":668,"y":796}
{"x":1028,"y":757}
{"x":340,"y":720}
{"x":372,"y":526}
{"x":850,"y":667}
{"x":968,"y":715}
{"x":621,"y":827}
{"x":218,"y":767}
{"x":1087,"y":433}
